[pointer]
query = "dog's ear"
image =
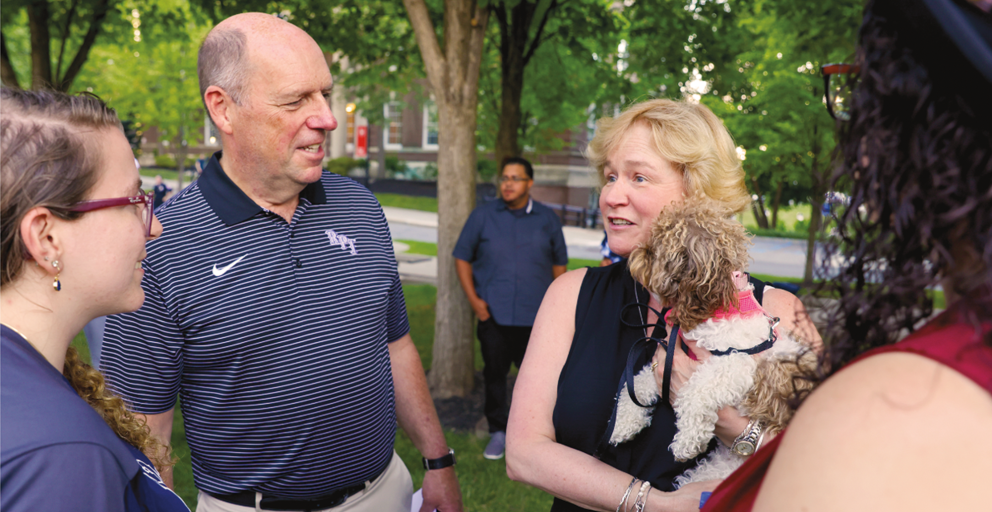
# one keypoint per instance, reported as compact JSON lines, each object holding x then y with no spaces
{"x":639,"y":264}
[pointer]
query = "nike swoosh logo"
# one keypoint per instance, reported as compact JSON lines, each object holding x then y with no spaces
{"x":221,"y":271}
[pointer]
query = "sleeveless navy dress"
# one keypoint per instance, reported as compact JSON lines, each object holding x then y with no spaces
{"x":588,"y":384}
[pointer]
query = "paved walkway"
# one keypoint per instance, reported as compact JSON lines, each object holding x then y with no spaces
{"x":775,"y":256}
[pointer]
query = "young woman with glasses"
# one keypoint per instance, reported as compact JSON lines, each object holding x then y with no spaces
{"x":74,"y":226}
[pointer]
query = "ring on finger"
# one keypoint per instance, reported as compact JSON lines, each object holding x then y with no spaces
{"x":654,"y":366}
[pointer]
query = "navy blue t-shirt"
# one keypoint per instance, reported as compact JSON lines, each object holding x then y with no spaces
{"x":57,"y":453}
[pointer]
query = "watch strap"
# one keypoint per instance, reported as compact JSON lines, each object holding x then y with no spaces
{"x":440,"y":462}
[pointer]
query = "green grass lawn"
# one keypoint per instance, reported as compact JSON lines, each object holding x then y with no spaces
{"x":426,"y":204}
{"x":430,"y":249}
{"x":786,"y":216}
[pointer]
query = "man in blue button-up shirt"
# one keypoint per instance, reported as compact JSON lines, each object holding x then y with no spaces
{"x":507,"y":255}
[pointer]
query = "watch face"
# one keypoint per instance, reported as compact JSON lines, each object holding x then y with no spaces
{"x":744,"y":448}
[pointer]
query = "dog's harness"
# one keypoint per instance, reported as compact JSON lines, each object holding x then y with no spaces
{"x":757,"y":349}
{"x":640,"y":348}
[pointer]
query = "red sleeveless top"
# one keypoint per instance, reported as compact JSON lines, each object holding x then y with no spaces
{"x":948,"y":339}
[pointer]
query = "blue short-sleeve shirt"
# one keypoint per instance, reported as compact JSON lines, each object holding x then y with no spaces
{"x":273,"y":334}
{"x":512,"y":252}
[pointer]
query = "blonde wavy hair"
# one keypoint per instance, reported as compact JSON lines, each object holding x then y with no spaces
{"x":48,"y":158}
{"x":690,"y":259}
{"x":689,"y":136}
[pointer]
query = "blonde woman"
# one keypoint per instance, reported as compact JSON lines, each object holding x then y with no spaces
{"x":74,"y":225}
{"x":653,"y":156}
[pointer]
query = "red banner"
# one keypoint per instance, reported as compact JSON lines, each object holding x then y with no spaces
{"x":362,"y":144}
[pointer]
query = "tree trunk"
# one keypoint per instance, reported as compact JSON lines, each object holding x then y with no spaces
{"x":816,"y":202}
{"x":516,"y":47}
{"x":41,"y":45}
{"x":99,"y":13}
{"x":7,"y":74}
{"x":454,"y":76}
{"x":759,"y":206}
{"x":776,"y":204}
{"x":512,"y":44}
{"x":180,"y":158}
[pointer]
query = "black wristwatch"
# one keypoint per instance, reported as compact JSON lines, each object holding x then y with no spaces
{"x":440,"y":462}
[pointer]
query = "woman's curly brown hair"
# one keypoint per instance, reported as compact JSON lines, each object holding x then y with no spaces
{"x":90,"y":384}
{"x":689,"y":261}
{"x":916,"y":156}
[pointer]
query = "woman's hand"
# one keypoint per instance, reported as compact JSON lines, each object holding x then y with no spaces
{"x":683,"y":366}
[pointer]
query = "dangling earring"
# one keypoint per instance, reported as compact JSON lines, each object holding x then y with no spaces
{"x":57,"y":284}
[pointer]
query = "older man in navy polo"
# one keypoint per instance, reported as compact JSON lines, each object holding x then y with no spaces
{"x":507,"y":255}
{"x":273,"y":308}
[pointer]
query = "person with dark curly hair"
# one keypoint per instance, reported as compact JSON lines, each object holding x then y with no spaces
{"x":74,"y":226}
{"x":901,"y":425}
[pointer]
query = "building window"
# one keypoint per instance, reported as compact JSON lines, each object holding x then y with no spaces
{"x":430,"y":125}
{"x":393,"y":129}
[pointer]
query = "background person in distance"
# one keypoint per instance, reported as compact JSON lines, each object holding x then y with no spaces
{"x":508,"y":253}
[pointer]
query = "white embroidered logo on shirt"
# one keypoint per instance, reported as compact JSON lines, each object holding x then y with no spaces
{"x":347,"y":244}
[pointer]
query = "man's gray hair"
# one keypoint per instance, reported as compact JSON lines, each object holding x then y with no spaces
{"x":222,"y":61}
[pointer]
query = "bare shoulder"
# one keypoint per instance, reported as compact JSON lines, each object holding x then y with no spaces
{"x":793,"y":315}
{"x":892,"y":432}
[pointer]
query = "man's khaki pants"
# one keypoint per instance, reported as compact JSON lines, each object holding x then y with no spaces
{"x":392,"y":491}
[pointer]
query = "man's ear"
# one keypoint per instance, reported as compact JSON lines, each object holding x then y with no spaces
{"x":219,"y":105}
{"x":40,"y":230}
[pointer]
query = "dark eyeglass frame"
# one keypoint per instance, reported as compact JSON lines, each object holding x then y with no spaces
{"x":515,"y":179}
{"x":829,"y":70}
{"x":146,"y":198}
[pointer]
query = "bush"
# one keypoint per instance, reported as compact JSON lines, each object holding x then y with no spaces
{"x":342,"y":165}
{"x":169,"y":162}
{"x":165,"y":161}
{"x":394,"y":165}
{"x":429,"y":172}
{"x":801,"y":226}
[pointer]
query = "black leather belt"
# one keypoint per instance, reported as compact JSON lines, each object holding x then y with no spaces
{"x":334,"y":499}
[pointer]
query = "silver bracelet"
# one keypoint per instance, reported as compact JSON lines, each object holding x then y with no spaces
{"x":642,"y":497}
{"x":761,"y":439}
{"x":623,"y":501}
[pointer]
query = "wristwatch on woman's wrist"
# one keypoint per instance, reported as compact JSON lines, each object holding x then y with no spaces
{"x":440,"y":462}
{"x":747,"y":442}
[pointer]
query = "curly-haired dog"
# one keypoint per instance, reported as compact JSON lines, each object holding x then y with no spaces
{"x":694,"y":263}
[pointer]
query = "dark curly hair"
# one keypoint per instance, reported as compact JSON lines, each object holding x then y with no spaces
{"x":916,"y":157}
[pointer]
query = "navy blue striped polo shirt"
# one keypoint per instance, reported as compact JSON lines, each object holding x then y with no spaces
{"x":273,"y":334}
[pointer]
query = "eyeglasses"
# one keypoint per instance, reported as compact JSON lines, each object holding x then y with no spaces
{"x":145,"y":200}
{"x":838,"y":86}
{"x":514,"y":179}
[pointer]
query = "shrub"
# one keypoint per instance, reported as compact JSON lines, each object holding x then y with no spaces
{"x":429,"y":172}
{"x":394,"y":165}
{"x":342,"y":165}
